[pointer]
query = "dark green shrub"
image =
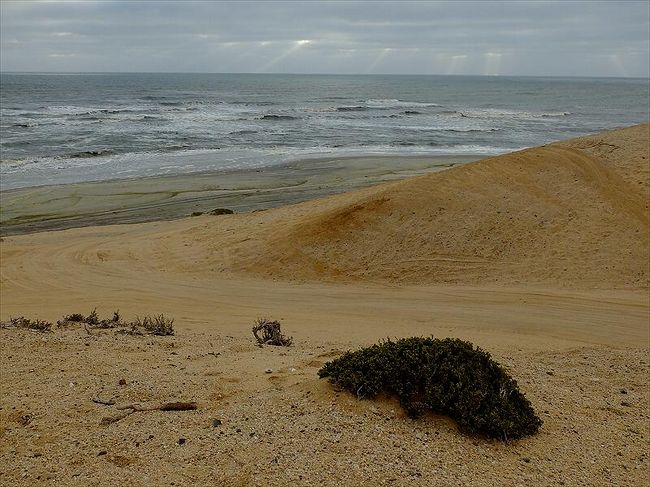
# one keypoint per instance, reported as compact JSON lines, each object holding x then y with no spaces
{"x":447,"y":376}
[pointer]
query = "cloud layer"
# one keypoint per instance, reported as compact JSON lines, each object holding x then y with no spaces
{"x":545,"y":38}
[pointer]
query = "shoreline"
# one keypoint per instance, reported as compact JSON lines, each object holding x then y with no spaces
{"x":170,"y":197}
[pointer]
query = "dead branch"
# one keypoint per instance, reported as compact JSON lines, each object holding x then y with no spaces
{"x":128,"y":409}
{"x":271,"y":334}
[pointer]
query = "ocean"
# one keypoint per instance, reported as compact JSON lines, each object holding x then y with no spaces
{"x":67,"y":128}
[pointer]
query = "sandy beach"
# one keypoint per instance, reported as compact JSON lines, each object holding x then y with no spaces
{"x":539,"y":257}
{"x":139,"y":200}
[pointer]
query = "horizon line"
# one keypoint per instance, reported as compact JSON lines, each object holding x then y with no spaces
{"x":326,"y":74}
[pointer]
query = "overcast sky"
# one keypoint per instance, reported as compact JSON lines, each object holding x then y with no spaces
{"x":560,"y":38}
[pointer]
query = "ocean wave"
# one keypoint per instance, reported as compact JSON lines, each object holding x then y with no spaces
{"x":357,"y":108}
{"x":14,"y":163}
{"x":385,"y":104}
{"x":261,"y":103}
{"x":277,"y":117}
{"x":509,"y":114}
{"x":176,"y":148}
{"x":395,"y":103}
{"x":467,"y":130}
{"x":87,"y":154}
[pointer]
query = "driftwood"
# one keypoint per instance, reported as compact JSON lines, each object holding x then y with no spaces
{"x":271,"y":334}
{"x":127,"y":409}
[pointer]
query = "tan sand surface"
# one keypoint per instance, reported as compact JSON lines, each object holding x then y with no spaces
{"x":540,"y":257}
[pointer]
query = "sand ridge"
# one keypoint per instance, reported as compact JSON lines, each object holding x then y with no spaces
{"x":553,"y":215}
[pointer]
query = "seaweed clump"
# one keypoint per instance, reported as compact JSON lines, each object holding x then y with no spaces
{"x":447,"y":376}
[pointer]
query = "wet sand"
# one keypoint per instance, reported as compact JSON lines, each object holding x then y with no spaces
{"x":171,"y":197}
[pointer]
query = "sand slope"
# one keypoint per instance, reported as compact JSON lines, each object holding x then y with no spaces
{"x":570,"y":214}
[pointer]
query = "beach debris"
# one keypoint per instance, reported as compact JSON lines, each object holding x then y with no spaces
{"x":122,"y":382}
{"x":104,"y":401}
{"x":102,"y":452}
{"x":268,"y":371}
{"x":270,"y":333}
{"x":181,"y":441}
{"x":221,"y":211}
{"x":216,"y":422}
{"x":128,"y":409}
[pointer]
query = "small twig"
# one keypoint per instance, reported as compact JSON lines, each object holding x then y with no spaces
{"x":107,"y":402}
{"x":136,"y":407}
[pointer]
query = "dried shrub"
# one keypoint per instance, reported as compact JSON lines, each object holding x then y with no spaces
{"x":447,"y":376}
{"x":92,"y":318}
{"x":129,"y":329}
{"x":74,"y":317}
{"x":152,"y":325}
{"x":25,"y":323}
{"x":270,"y":333}
{"x":157,"y":325}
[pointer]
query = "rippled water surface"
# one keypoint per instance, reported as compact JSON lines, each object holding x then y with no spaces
{"x":80,"y":127}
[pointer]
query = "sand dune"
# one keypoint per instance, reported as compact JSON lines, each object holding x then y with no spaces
{"x":570,"y":214}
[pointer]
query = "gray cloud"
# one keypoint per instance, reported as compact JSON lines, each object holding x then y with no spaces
{"x":526,"y":38}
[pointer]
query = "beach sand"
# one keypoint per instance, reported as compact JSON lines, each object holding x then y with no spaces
{"x":539,"y":257}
